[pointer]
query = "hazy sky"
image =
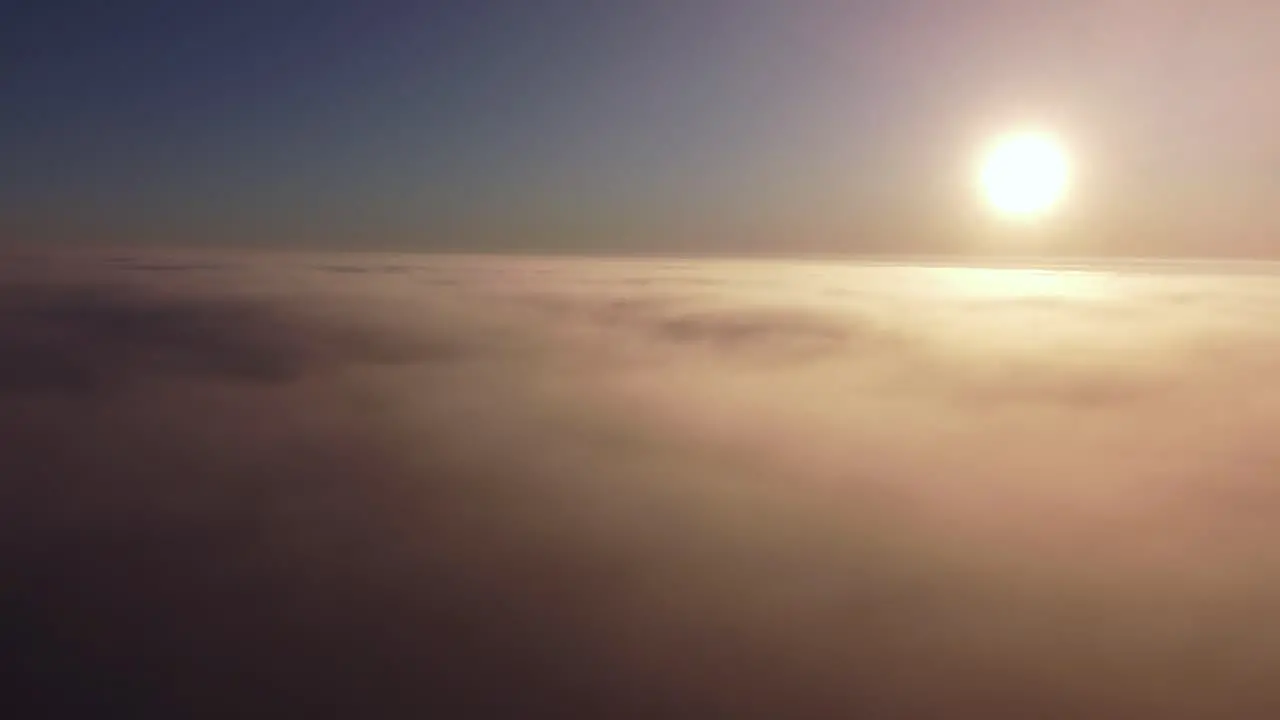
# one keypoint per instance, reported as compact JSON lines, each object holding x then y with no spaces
{"x":699,"y":125}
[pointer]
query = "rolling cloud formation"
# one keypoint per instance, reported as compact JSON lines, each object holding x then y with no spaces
{"x":392,"y":486}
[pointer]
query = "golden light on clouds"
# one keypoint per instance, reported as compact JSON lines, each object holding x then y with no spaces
{"x":1018,"y":282}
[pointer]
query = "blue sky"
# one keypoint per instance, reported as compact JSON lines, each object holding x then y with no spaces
{"x":613,"y":126}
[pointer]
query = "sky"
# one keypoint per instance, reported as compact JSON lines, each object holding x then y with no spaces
{"x":633,"y":127}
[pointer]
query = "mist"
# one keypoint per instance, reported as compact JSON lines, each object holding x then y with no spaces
{"x":394,"y":485}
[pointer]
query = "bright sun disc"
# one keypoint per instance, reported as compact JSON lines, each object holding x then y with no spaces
{"x":1025,"y":174}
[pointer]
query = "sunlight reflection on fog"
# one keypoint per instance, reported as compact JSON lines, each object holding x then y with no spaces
{"x":1023,"y":283}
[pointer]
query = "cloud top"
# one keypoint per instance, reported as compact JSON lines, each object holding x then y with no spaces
{"x":478,"y":487}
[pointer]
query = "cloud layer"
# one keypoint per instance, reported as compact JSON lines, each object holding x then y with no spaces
{"x":387,"y":486}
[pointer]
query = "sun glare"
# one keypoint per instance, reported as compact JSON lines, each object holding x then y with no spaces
{"x":1025,"y":174}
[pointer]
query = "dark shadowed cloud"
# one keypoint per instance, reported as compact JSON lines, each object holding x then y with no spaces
{"x":85,"y":338}
{"x":242,"y":486}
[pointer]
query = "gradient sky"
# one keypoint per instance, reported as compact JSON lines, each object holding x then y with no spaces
{"x":633,"y":126}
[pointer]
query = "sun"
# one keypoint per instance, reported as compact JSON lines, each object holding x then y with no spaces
{"x":1025,"y":174}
